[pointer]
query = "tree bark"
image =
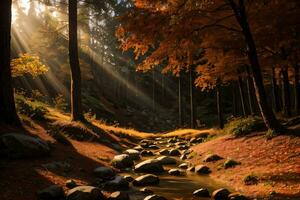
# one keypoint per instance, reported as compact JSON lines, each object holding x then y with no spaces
{"x":297,"y":89}
{"x":180,"y":121}
{"x":192,"y":106}
{"x":219,"y":107}
{"x":76,"y":105}
{"x":249,"y":89}
{"x":286,"y":94}
{"x":234,"y":100}
{"x":8,"y":114}
{"x":266,"y":112}
{"x":275,"y":91}
{"x":242,"y":95}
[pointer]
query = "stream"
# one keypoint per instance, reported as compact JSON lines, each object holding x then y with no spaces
{"x":170,"y":186}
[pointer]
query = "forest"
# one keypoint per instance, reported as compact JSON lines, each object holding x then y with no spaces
{"x":149,"y":100}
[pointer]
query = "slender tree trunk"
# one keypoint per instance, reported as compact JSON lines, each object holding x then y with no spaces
{"x":249,"y":89}
{"x":219,"y":107}
{"x":286,"y":93}
{"x":275,"y":91}
{"x":8,"y":114}
{"x":297,"y":89}
{"x":266,"y":112}
{"x":153,"y":90}
{"x":76,"y":105}
{"x":234,"y":101}
{"x":180,"y":121}
{"x":242,"y":95}
{"x":192,"y":106}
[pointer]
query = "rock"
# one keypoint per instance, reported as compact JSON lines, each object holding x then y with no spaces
{"x":202,"y":169}
{"x":183,"y":166}
{"x":212,"y":158}
{"x":138,"y":148}
{"x":149,"y":166}
{"x":203,"y":192}
{"x":191,"y":169}
{"x":118,"y":183}
{"x":146,"y":191}
{"x":165,"y":160}
{"x":237,"y":196}
{"x":174,"y":172}
{"x":145,"y":180}
{"x":52,"y":192}
{"x":183,"y":157}
{"x":196,"y":140}
{"x":174,"y":152}
{"x":119,"y":195}
{"x":134,"y":154}
{"x":164,"y":152}
{"x":15,"y":145}
{"x":122,"y":161}
{"x":104,"y":173}
{"x":172,"y":140}
{"x":230,"y":163}
{"x":220,"y":194}
{"x":153,"y":147}
{"x":84,"y":193}
{"x":154,"y":197}
{"x":182,"y":147}
{"x":71,"y":184}
{"x":128,"y":178}
{"x":147,"y":153}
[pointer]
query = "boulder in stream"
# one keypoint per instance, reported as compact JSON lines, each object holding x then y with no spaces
{"x":220,"y":194}
{"x":174,"y":172}
{"x":149,"y":166}
{"x":154,"y":197}
{"x":165,"y":160}
{"x":118,"y":183}
{"x":145,"y":180}
{"x":122,"y":161}
{"x":133,"y":154}
{"x":118,"y":195}
{"x":164,"y":152}
{"x":52,"y":192}
{"x":105,"y":173}
{"x":85,"y":193}
{"x":202,"y":192}
{"x":174,"y":152}
{"x":184,"y":166}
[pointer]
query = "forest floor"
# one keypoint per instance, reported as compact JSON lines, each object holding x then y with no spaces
{"x":276,"y":162}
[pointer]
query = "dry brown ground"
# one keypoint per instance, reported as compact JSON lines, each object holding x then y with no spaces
{"x":276,"y":162}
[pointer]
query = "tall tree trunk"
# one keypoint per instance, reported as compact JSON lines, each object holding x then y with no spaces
{"x":219,"y":107}
{"x":234,"y":101}
{"x":8,"y":114}
{"x":297,"y":89}
{"x":76,"y":105}
{"x":242,"y":95}
{"x":266,"y":112}
{"x":275,"y":91}
{"x":180,"y":121}
{"x":153,"y":90}
{"x":249,"y":89}
{"x":286,"y":93}
{"x":192,"y":106}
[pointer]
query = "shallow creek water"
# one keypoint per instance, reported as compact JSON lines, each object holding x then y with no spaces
{"x":176,"y":187}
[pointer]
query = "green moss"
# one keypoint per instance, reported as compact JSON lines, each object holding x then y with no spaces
{"x":243,"y":126}
{"x":230,"y":163}
{"x":251,"y":180}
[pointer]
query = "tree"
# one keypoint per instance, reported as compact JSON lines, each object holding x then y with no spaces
{"x":8,"y":114}
{"x":76,"y":105}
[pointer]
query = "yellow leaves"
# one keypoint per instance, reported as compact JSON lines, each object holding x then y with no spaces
{"x":27,"y":64}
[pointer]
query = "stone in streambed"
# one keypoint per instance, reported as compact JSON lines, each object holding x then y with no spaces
{"x":174,"y":172}
{"x":164,"y":152}
{"x":237,"y":196}
{"x":220,"y":194}
{"x":128,"y":178}
{"x":174,"y":152}
{"x":119,"y":195}
{"x":52,"y":192}
{"x":145,"y":180}
{"x":71,"y":184}
{"x":183,"y":166}
{"x":133,"y":154}
{"x":149,"y":166}
{"x":165,"y":160}
{"x":85,"y":193}
{"x":105,"y":173}
{"x":122,"y":161}
{"x":147,"y":153}
{"x":154,"y":197}
{"x":118,"y":183}
{"x":146,"y":191}
{"x":203,"y":192}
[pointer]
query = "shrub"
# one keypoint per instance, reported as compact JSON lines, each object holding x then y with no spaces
{"x":31,"y":109}
{"x":243,"y":126}
{"x":60,"y":102}
{"x":230,"y":163}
